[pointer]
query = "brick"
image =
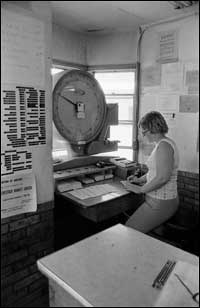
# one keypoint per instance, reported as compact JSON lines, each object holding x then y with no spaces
{"x":191,"y":188}
{"x":27,"y":281}
{"x":17,"y":235}
{"x":180,"y":185}
{"x":48,"y":251}
{"x":12,"y":246}
{"x":43,"y":231}
{"x":24,"y":222}
{"x":186,"y":193}
{"x":4,"y":229}
{"x":6,"y":260}
{"x":186,"y":206}
{"x":189,"y":181}
{"x":33,"y":268}
{"x":192,"y":175}
{"x":6,"y":292}
{"x":40,"y":246}
{"x":180,"y":197}
{"x":34,"y":219}
{"x":181,"y":174}
{"x":18,"y":224}
{"x":27,"y":301}
{"x":11,"y":300}
{"x":38,"y":284}
{"x":23,"y":263}
{"x":49,"y":215}
{"x":189,"y":200}
{"x":10,"y":240}
{"x":45,"y":206}
{"x":15,"y":277}
{"x":196,"y":204}
{"x":5,"y":220}
{"x":196,"y":196}
{"x":6,"y":271}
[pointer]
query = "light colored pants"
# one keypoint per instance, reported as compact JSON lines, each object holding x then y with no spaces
{"x":152,"y":213}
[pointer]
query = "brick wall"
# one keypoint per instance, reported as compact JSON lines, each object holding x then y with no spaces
{"x":182,"y":229}
{"x":188,"y":189}
{"x":24,"y":239}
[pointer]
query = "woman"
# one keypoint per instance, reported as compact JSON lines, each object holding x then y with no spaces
{"x":160,"y":182}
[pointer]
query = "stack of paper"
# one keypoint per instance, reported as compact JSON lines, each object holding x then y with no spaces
{"x":68,"y":185}
{"x":93,"y":191}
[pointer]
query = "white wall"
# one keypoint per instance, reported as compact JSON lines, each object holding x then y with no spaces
{"x":116,"y":48}
{"x":68,"y":46}
{"x":18,"y":14}
{"x":185,"y":127}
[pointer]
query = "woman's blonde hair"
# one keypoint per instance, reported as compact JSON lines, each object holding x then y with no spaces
{"x":154,"y":122}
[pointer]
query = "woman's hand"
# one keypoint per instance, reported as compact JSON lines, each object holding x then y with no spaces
{"x":133,"y":179}
{"x":131,"y":187}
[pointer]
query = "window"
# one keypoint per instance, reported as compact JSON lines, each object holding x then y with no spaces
{"x":119,"y":87}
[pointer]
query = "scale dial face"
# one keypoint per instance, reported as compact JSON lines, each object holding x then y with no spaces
{"x":79,"y":107}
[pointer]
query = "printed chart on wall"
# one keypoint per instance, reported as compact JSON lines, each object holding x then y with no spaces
{"x":172,"y":77}
{"x":23,"y":110}
{"x":18,"y":194}
{"x":191,"y":78}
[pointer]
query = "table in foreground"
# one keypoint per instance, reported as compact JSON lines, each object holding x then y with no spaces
{"x":114,"y":268}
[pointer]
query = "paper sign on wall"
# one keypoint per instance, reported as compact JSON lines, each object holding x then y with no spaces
{"x":189,"y":103}
{"x":191,"y":78}
{"x":22,"y":49}
{"x":24,"y":116}
{"x":151,"y":76}
{"x":168,"y":47}
{"x":172,"y":77}
{"x":168,"y":103}
{"x":18,"y":194}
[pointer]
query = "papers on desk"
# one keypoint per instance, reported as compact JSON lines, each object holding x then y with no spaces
{"x":174,"y":294}
{"x":93,"y":191}
{"x":68,"y":185}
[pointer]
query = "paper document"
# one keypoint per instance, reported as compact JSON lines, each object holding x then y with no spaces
{"x":93,"y":191}
{"x":18,"y":194}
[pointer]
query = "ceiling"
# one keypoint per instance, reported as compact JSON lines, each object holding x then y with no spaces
{"x":112,"y":16}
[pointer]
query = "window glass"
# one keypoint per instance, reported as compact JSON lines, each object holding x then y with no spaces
{"x":55,"y":70}
{"x":125,"y":106}
{"x":117,"y":82}
{"x":123,"y":133}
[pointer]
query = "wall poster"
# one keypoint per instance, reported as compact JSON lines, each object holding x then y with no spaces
{"x":168,"y":46}
{"x":18,"y":194}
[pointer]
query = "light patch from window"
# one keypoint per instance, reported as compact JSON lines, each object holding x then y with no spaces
{"x":55,"y":70}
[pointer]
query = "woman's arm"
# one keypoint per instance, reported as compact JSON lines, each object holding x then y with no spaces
{"x":164,"y":167}
{"x":136,"y":180}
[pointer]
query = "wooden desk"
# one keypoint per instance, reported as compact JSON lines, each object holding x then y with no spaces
{"x":103,"y":207}
{"x":114,"y":268}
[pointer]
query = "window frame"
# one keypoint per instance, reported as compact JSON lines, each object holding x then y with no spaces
{"x":119,"y":68}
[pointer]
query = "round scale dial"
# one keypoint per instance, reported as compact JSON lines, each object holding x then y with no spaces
{"x":79,"y":107}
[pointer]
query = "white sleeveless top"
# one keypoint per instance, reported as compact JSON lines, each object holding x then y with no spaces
{"x":169,"y":189}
